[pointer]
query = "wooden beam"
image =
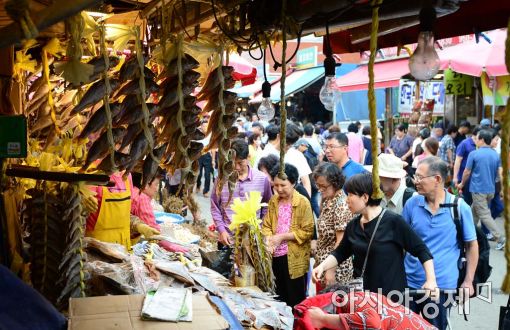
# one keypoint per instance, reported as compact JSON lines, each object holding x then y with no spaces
{"x":58,"y":11}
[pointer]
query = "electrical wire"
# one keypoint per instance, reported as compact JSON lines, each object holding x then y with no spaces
{"x":278,"y":64}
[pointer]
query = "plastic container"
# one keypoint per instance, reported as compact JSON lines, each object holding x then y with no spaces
{"x":171,"y":217}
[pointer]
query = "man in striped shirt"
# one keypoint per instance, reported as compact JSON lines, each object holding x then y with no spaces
{"x":249,"y":179}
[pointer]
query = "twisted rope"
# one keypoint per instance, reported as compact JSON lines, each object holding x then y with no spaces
{"x":377,"y":193}
{"x":505,"y":140}
{"x":283,"y":110}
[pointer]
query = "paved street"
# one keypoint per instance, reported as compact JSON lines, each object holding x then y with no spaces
{"x":483,"y":315}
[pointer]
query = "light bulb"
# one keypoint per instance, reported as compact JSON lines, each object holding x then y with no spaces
{"x":329,"y":94}
{"x":266,"y":110}
{"x":424,"y":63}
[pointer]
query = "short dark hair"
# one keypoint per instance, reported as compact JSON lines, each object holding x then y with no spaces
{"x":361,"y":184}
{"x":452,"y":129}
{"x":485,"y":135}
{"x":424,"y":133}
{"x":352,"y":128}
{"x":268,"y":162}
{"x":272,"y":132}
{"x":242,"y":136}
{"x":293,"y":133}
{"x":436,"y":166}
{"x":257,"y":124}
{"x":240,"y":146}
{"x":465,"y":123}
{"x":308,"y":129}
{"x":365,"y":130}
{"x":332,"y":173}
{"x":340,"y":137}
{"x":252,"y":138}
{"x":317,"y":129}
{"x":290,"y":171}
{"x":401,"y":127}
{"x":477,"y":129}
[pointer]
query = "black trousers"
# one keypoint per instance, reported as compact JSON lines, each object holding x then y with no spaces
{"x":290,"y":291}
{"x":205,"y":165}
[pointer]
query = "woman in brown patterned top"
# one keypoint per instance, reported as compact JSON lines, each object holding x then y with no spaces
{"x":332,"y":221}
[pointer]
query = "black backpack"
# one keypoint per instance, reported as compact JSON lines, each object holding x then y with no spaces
{"x":483,"y":269}
{"x":408,"y":193}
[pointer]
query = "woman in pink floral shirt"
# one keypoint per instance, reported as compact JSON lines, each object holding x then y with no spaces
{"x":288,"y":229}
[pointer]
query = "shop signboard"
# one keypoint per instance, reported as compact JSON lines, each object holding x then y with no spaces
{"x":457,"y":83}
{"x":306,"y":58}
{"x":433,"y":89}
{"x":500,"y":85}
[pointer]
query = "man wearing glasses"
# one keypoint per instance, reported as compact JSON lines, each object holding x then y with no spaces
{"x":335,"y":148}
{"x":433,"y":222}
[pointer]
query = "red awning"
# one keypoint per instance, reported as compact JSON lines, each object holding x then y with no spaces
{"x":387,"y":74}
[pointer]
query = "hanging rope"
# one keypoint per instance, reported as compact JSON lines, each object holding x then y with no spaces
{"x":505,"y":140}
{"x":283,"y":110}
{"x":377,"y":193}
{"x":106,"y":99}
{"x":146,"y":116}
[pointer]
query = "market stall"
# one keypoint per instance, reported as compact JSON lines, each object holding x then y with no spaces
{"x":102,"y":96}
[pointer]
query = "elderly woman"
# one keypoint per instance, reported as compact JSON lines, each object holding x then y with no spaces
{"x":332,"y":222}
{"x":401,"y":144}
{"x":392,"y":237}
{"x":288,"y":228}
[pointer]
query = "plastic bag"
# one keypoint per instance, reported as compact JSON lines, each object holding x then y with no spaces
{"x":109,"y":278}
{"x":219,"y":261}
{"x":142,"y":275}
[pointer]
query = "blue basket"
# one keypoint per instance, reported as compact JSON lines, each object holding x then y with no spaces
{"x":176,"y":218}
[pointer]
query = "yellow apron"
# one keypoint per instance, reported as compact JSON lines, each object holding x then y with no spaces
{"x":113,"y":221}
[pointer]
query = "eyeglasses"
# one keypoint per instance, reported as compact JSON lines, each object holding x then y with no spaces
{"x":321,"y":187}
{"x":418,"y":178}
{"x":326,"y":147}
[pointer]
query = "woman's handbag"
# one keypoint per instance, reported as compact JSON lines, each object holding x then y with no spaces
{"x":357,"y":283}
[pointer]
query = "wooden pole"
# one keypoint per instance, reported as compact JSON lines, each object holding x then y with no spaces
{"x":58,"y":11}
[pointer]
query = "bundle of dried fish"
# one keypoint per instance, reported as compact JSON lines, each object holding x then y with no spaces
{"x":222,"y":105}
{"x":55,"y":223}
{"x":47,"y":240}
{"x":71,"y":266}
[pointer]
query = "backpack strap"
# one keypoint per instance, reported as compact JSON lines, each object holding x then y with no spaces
{"x":457,"y":221}
{"x":408,"y":193}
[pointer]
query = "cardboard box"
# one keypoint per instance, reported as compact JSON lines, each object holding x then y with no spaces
{"x":123,"y":312}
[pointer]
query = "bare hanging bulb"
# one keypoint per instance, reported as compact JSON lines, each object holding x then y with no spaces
{"x":266,"y":109}
{"x":424,"y":63}
{"x":329,"y":93}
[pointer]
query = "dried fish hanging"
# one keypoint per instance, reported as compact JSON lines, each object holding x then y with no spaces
{"x":71,"y":266}
{"x":55,"y":222}
{"x":106,"y":98}
{"x":222,"y":104}
{"x":153,"y":157}
{"x":190,"y":168}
